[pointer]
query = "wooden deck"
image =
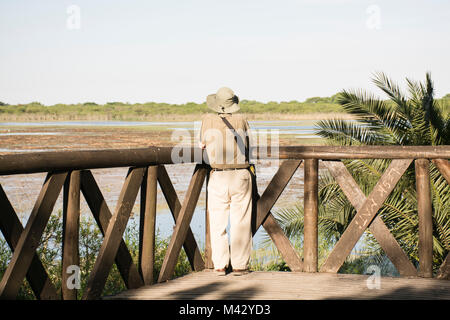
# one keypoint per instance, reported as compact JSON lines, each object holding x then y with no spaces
{"x":207,"y":285}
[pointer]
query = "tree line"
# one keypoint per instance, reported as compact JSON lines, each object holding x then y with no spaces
{"x":123,"y":110}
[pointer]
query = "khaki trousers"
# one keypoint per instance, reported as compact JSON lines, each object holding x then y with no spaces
{"x":230,"y":196}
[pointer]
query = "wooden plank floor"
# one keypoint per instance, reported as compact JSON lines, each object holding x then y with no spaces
{"x":287,"y":286}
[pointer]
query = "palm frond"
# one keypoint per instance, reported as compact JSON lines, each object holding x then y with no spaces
{"x":291,"y":220}
{"x":374,"y":113}
{"x":347,"y":133}
{"x":393,"y":91}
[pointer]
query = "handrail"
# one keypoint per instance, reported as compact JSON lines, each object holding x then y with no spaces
{"x":364,"y":152}
{"x":69,"y":171}
{"x":32,"y":162}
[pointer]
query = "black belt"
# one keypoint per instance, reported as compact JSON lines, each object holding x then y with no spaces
{"x":229,"y":169}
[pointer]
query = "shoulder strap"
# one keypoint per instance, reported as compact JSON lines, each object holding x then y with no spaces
{"x":237,"y":138}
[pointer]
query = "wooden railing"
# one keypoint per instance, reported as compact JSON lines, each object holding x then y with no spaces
{"x":70,"y":171}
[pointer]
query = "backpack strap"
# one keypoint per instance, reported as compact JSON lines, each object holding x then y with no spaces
{"x":237,"y":138}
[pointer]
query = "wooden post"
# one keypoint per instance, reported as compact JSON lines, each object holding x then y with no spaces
{"x":147,"y":224}
{"x":425,"y":218}
{"x":208,"y":253}
{"x":311,"y":211}
{"x":71,"y":223}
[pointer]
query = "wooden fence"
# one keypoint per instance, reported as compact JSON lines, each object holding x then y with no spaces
{"x":70,"y":171}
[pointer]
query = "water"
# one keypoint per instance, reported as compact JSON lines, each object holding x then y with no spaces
{"x":94,"y":123}
{"x":302,"y":128}
{"x":22,"y":150}
{"x":165,"y":224}
{"x":30,"y":133}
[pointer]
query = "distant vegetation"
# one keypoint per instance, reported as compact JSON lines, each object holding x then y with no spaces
{"x":147,"y":111}
{"x":36,"y":111}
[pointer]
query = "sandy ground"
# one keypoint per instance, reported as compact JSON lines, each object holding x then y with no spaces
{"x":69,"y":138}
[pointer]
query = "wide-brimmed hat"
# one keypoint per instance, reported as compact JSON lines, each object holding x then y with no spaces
{"x":224,"y":101}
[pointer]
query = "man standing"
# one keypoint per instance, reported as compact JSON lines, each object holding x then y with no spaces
{"x":225,"y":136}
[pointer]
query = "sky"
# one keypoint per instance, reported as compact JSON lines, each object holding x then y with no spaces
{"x":180,"y":51}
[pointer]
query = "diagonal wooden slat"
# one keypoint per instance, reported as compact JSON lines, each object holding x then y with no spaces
{"x":102,"y":216}
{"x":274,"y":189}
{"x":444,"y":269}
{"x":377,"y":226}
{"x":443,"y":166}
{"x":189,"y":245}
{"x":182,"y":223}
{"x":29,"y":239}
{"x":11,"y":227}
{"x":264,"y":217}
{"x":114,"y":234}
{"x":284,"y":246}
{"x":365,"y":215}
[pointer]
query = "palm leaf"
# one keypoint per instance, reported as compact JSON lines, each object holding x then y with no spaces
{"x":347,"y":133}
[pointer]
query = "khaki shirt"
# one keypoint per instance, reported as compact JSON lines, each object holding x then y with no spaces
{"x":221,"y":146}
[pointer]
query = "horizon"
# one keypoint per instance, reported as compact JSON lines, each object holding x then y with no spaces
{"x":61,"y":52}
{"x":183,"y":103}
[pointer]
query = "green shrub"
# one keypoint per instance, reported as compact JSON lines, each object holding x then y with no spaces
{"x":90,"y":240}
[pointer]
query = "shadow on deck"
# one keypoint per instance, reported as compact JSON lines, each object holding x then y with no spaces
{"x":288,"y":286}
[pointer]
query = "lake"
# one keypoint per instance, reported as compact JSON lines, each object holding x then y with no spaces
{"x":303,"y":128}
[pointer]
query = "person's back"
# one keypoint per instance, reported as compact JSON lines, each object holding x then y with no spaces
{"x":223,"y":147}
{"x":225,"y":137}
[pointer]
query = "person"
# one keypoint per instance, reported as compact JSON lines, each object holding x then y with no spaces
{"x":225,"y":136}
